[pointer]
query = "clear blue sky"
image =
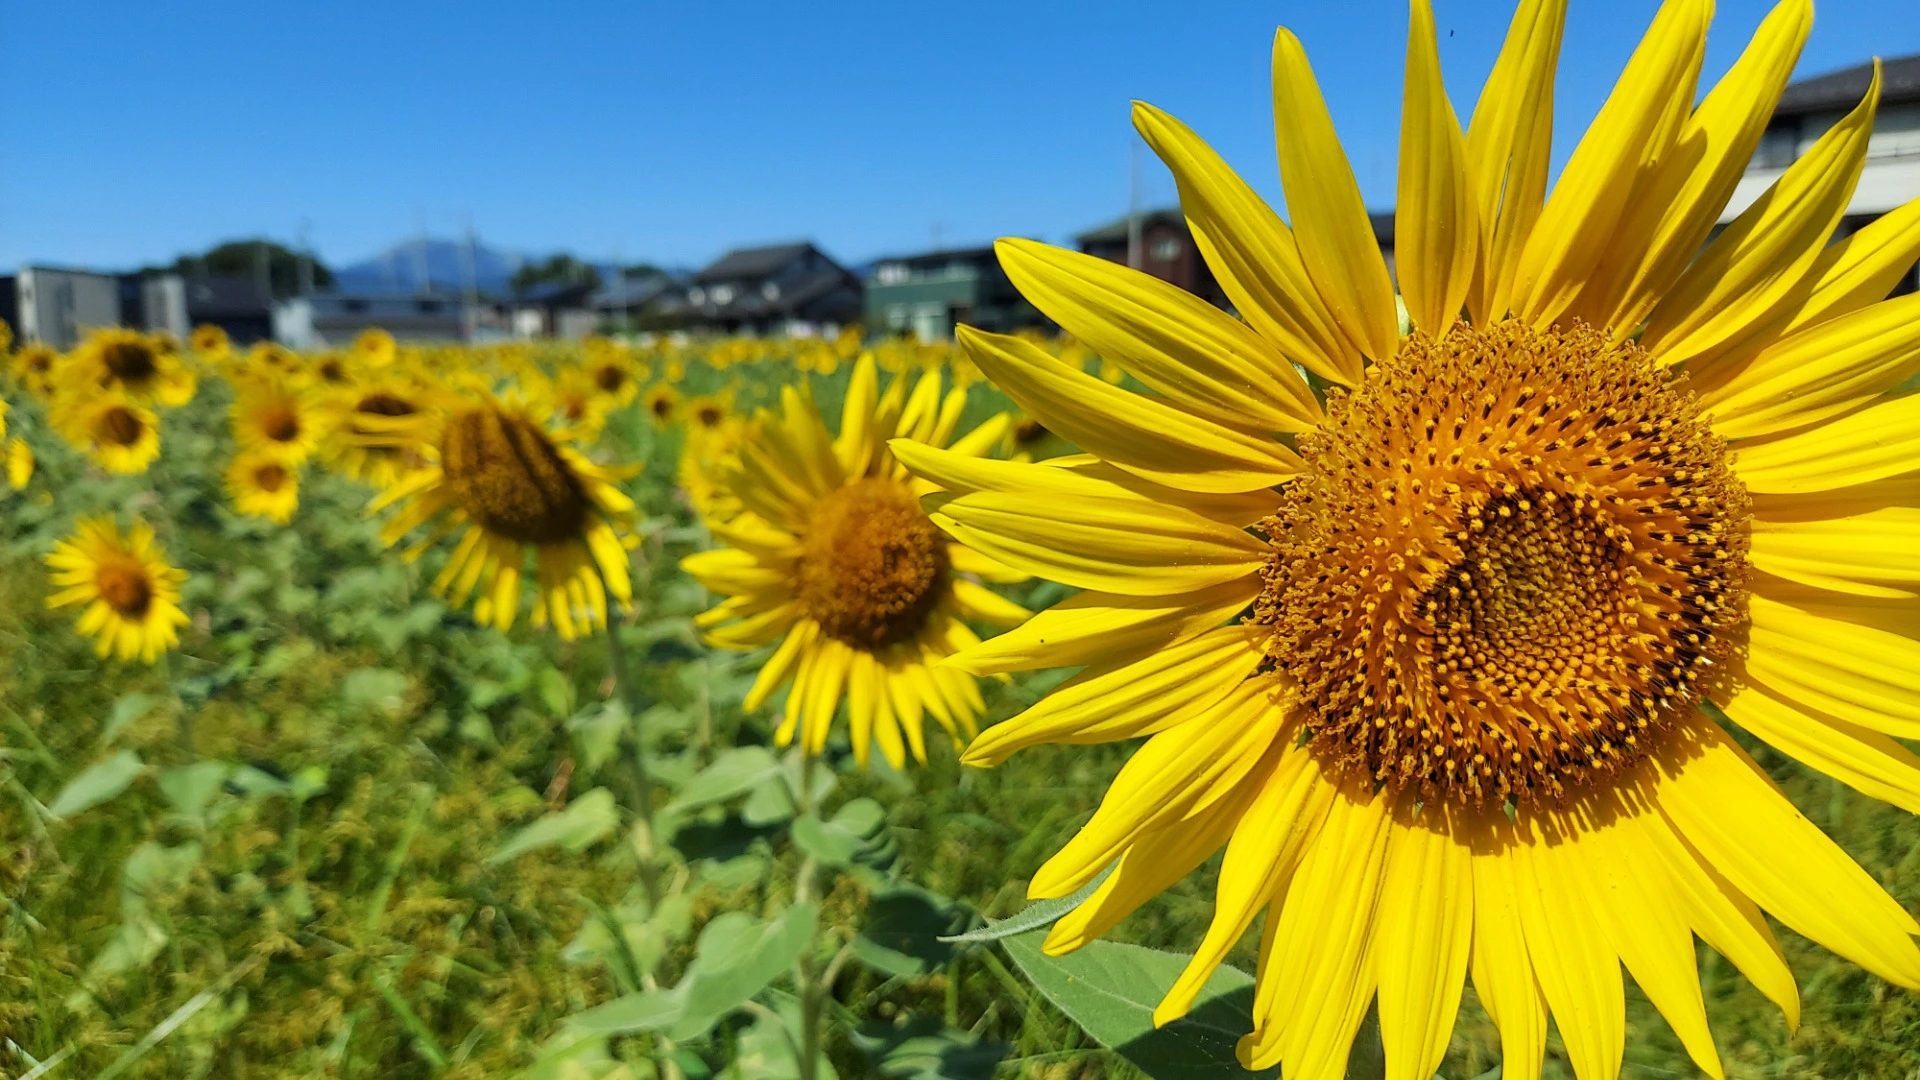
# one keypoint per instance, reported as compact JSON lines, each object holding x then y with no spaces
{"x":672,"y":131}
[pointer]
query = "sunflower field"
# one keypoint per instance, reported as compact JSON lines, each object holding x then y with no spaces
{"x":1522,"y":637}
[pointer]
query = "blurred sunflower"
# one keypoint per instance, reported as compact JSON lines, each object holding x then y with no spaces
{"x":33,"y":366}
{"x":264,"y":484}
{"x":663,"y":405}
{"x":210,"y":342}
{"x":1448,"y":672}
{"x":270,"y":358}
{"x":358,"y":419}
{"x":703,"y":464}
{"x":271,"y":417}
{"x":331,"y":370}
{"x":19,"y":463}
{"x":145,"y":368}
{"x":707,"y":412}
{"x":514,"y":488}
{"x":615,"y":374}
{"x":836,"y":560}
{"x":132,"y":595}
{"x":572,"y":399}
{"x":118,"y":433}
{"x":374,"y":348}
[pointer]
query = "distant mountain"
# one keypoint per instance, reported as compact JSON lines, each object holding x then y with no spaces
{"x":445,"y":262}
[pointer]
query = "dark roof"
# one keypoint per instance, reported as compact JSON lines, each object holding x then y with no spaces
{"x":753,"y":303}
{"x":554,"y":293}
{"x":935,"y":258}
{"x":1117,"y":230}
{"x":630,"y":291}
{"x":1838,"y":91}
{"x":222,"y":297}
{"x":753,"y":262}
{"x":1382,"y":221}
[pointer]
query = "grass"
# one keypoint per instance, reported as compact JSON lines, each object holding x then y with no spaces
{"x":327,"y":908}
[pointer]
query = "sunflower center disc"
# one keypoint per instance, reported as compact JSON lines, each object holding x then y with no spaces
{"x":610,"y":379}
{"x":270,"y":477}
{"x":280,"y":424}
{"x":125,"y":588}
{"x":510,"y":479}
{"x":381,"y":404}
{"x":130,"y":362}
{"x":1512,"y":559}
{"x":872,"y":565}
{"x":120,"y":426}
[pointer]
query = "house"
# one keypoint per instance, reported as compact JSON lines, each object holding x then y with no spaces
{"x":633,"y":301}
{"x":58,"y":306}
{"x":1166,"y":251}
{"x":1811,"y":106}
{"x":333,"y":320}
{"x":782,"y":289}
{"x":555,"y":309}
{"x":237,"y":305}
{"x":928,"y":295}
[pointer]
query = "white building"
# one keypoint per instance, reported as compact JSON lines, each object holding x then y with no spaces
{"x":331,"y":321}
{"x":1810,"y":107}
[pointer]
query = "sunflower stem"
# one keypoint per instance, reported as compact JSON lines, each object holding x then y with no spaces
{"x":642,"y":778}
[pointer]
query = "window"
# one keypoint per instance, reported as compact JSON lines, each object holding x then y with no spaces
{"x":355,"y":305}
{"x":1165,"y":249}
{"x":429,"y":307}
{"x":722,"y":294}
{"x":892,"y":273}
{"x":771,"y":291}
{"x":696,"y":295}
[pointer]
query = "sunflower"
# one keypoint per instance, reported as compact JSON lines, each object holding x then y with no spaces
{"x":615,"y":374}
{"x":146,"y":368}
{"x":271,"y":417}
{"x":707,"y":412}
{"x":264,"y":484}
{"x":374,"y":348}
{"x":1448,"y":664}
{"x":118,"y":433}
{"x":132,"y":595}
{"x":358,"y":418}
{"x":837,"y":561}
{"x":211,"y":342}
{"x":515,"y":487}
{"x":19,"y":463}
{"x":704,"y":462}
{"x":663,"y":405}
{"x":33,"y":367}
{"x":571,"y":398}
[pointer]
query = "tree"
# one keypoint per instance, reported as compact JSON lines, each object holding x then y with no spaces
{"x":556,"y":269}
{"x":242,"y":258}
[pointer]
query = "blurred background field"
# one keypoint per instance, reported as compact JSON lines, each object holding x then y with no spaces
{"x":283,"y":851}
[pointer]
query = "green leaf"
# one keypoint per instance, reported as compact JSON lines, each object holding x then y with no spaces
{"x":126,"y":709}
{"x":858,"y":833}
{"x":596,"y":734}
{"x":734,"y":773}
{"x":1034,"y":916}
{"x":582,"y":824}
{"x":924,"y":1049}
{"x":768,"y":804}
{"x":1110,"y":990}
{"x":764,"y":1048}
{"x":737,"y":957}
{"x":556,"y":693}
{"x":101,"y":782}
{"x":649,"y":1010}
{"x":191,"y":787}
{"x":901,"y":934}
{"x":374,"y":689}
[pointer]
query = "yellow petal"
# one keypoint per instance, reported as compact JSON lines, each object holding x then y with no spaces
{"x":1820,"y":372}
{"x":1330,"y":219}
{"x":1875,"y":443}
{"x":1106,"y":626}
{"x":1267,"y":843}
{"x":1578,"y":969}
{"x":1862,"y":268}
{"x":1139,"y":434}
{"x":858,"y":440}
{"x":1114,"y":545}
{"x":985,"y":605}
{"x":1436,"y":238}
{"x":1200,"y":358}
{"x":1758,"y":260}
{"x":1315,"y":964}
{"x":1684,"y":193}
{"x":1872,"y":552}
{"x":1080,"y":474}
{"x":1721,"y":802}
{"x":1503,"y":977}
{"x":1635,"y":126}
{"x":1858,"y":673}
{"x":1172,"y":777}
{"x":1109,"y":702}
{"x":1250,"y":250}
{"x":1508,"y":145}
{"x":1864,"y":760}
{"x":781,"y":664}
{"x":1425,"y":930}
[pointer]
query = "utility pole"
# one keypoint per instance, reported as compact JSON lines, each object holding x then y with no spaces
{"x":1133,"y":204}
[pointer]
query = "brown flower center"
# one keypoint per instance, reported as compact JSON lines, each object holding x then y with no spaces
{"x":280,"y":423}
{"x":1512,"y":559}
{"x":270,"y":477}
{"x":510,"y":479}
{"x":610,"y":378}
{"x":872,"y":566}
{"x":385,"y":404}
{"x":125,"y":588}
{"x":130,"y":362}
{"x":120,"y":426}
{"x":708,"y":416}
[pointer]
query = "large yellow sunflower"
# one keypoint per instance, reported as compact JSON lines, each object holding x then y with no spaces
{"x":836,"y":560}
{"x":511,"y":487}
{"x":109,"y":426}
{"x":264,"y":484}
{"x":146,"y":368}
{"x":34,"y":366}
{"x":1447,"y":663}
{"x":132,"y":594}
{"x":271,"y":417}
